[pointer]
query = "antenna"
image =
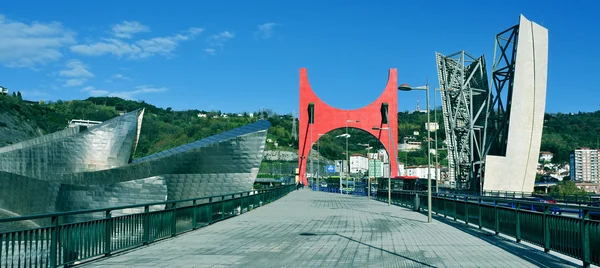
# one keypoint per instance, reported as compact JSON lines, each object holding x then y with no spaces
{"x":418,"y":108}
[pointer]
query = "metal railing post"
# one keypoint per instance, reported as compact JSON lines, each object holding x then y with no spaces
{"x":173,"y":219}
{"x":496,"y":218}
{"x":466,"y":210}
{"x":146,"y":225}
{"x":479,"y":200}
{"x":53,"y":242}
{"x":108,"y":234}
{"x":210,"y":210}
{"x":222,"y":207}
{"x":546,"y":226}
{"x":585,"y":238}
{"x":517,"y":223}
{"x":455,"y":200}
{"x":194,"y":220}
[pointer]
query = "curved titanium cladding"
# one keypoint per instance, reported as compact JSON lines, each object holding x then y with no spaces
{"x":79,"y":149}
{"x":68,"y":175}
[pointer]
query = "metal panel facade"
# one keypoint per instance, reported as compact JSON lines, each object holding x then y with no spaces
{"x":85,"y":168}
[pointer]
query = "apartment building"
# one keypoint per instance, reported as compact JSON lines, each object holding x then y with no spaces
{"x":584,"y":165}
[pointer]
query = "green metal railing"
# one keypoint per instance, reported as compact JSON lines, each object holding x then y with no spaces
{"x":574,"y":199}
{"x":65,"y":243}
{"x":567,"y":229}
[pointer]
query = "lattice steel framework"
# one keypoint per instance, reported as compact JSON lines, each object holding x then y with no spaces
{"x":500,"y":97}
{"x":464,"y":90}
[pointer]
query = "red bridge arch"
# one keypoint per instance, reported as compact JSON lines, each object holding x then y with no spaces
{"x":327,"y":118}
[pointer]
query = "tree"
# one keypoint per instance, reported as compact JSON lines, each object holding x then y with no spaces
{"x":567,"y":188}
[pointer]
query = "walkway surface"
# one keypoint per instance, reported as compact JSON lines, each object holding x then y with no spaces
{"x":313,"y":229}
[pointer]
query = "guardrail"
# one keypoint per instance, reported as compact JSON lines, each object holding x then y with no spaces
{"x":542,"y":224}
{"x":69,"y":243}
{"x":568,"y":199}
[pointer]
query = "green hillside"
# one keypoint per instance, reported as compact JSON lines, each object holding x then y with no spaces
{"x":164,"y":128}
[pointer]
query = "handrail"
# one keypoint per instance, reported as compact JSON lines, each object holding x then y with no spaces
{"x":542,"y":224}
{"x":57,"y":244}
{"x":86,"y":211}
{"x":491,"y":197}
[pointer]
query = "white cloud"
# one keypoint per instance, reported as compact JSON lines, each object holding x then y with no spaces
{"x":209,"y":51}
{"x":217,"y":40}
{"x":121,"y":77}
{"x":74,"y":82}
{"x":128,"y":95}
{"x":265,"y":31}
{"x":107,"y":46}
{"x":28,"y":45}
{"x":76,"y":68}
{"x":95,"y":92}
{"x":126,"y":29}
{"x":139,"y":49}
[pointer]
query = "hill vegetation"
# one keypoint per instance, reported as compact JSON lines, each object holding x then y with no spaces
{"x":165,"y":128}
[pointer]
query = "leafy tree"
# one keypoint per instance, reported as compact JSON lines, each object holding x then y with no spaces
{"x":566,"y":188}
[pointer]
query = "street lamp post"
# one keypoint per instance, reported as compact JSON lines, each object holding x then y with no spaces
{"x":347,"y":154}
{"x":369,"y":171}
{"x":406,"y":87}
{"x":390,"y":153}
{"x":437,"y":178}
{"x":318,"y":161}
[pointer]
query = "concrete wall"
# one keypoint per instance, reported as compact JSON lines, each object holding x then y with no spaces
{"x":516,"y":171}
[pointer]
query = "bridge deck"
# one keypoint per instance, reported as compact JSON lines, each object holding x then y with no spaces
{"x":346,"y":232}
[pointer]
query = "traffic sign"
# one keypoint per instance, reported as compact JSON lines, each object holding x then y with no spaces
{"x":330,"y":168}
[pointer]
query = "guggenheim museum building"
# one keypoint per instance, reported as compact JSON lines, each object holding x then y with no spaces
{"x":86,"y":167}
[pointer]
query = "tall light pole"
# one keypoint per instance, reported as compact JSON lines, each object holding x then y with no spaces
{"x":318,"y":161}
{"x":390,"y":153}
{"x":347,"y":154}
{"x":406,"y":87}
{"x":437,"y":126}
{"x":369,"y":171}
{"x":342,"y":165}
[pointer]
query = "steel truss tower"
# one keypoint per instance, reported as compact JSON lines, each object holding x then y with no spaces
{"x":500,"y":97}
{"x":464,"y":91}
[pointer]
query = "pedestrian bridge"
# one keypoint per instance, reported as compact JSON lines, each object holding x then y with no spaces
{"x":316,"y":229}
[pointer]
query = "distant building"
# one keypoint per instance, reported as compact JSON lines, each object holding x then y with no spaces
{"x":584,"y":165}
{"x":410,"y":143}
{"x":358,"y":163}
{"x":546,"y":156}
{"x":375,"y":168}
{"x":3,"y":90}
{"x":433,"y":126}
{"x":80,"y":122}
{"x":201,"y":115}
{"x":421,"y":171}
{"x":589,"y":187}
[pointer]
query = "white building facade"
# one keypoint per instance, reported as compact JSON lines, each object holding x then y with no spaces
{"x":584,"y":165}
{"x":421,"y":172}
{"x":359,"y":164}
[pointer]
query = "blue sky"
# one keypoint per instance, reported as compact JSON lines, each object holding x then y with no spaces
{"x":239,"y":56}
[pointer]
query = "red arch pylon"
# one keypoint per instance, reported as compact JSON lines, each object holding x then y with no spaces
{"x":327,"y":118}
